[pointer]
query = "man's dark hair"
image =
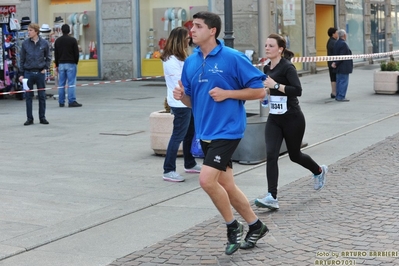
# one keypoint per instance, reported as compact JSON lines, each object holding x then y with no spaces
{"x":331,"y":31}
{"x":211,"y":20}
{"x":65,"y":29}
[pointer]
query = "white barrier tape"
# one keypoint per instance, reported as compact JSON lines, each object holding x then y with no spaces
{"x":340,"y":57}
{"x":83,"y":85}
{"x":264,"y":61}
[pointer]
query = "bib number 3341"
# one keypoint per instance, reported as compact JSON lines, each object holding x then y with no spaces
{"x":278,"y":105}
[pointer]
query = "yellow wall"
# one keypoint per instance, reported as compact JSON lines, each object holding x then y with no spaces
{"x":46,"y":10}
{"x":324,"y":20}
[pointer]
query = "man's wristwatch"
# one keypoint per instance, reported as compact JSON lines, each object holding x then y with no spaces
{"x":276,"y":86}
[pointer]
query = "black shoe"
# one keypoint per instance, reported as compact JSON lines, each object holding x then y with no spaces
{"x":254,"y":236}
{"x":44,"y":121}
{"x":28,"y":122}
{"x":75,"y":104}
{"x":234,"y":236}
{"x":342,"y":100}
{"x":62,"y":104}
{"x":332,"y":96}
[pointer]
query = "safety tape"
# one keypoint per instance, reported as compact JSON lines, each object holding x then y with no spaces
{"x":264,"y":61}
{"x":84,"y":85}
{"x":340,"y":57}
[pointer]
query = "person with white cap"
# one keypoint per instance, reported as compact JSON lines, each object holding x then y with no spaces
{"x":35,"y":59}
{"x":66,"y":55}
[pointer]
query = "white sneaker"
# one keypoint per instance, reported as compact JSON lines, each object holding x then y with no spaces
{"x":267,"y":202}
{"x":320,"y":180}
{"x":195,"y":169}
{"x":173,"y":177}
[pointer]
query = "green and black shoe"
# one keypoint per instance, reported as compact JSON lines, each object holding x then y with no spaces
{"x":234,"y":239}
{"x":254,"y":236}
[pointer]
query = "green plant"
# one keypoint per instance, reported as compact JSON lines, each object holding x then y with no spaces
{"x":389,"y":66}
{"x":166,"y":106}
{"x":383,"y":66}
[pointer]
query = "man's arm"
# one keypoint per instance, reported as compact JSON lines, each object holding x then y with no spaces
{"x":178,"y":94}
{"x":220,"y":95}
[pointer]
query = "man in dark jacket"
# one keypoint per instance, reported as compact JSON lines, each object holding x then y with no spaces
{"x":333,"y":34}
{"x":35,"y":59}
{"x":342,"y":67}
{"x":66,"y":55}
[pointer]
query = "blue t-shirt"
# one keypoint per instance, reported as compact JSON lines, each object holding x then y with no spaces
{"x":225,"y":68}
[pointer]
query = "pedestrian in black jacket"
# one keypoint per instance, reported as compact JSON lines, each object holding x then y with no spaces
{"x":333,"y":34}
{"x":342,"y":67}
{"x":66,"y":53}
{"x":35,"y":59}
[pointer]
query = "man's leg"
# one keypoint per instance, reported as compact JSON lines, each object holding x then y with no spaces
{"x":345,"y":83}
{"x":236,"y":197}
{"x":41,"y":85}
{"x":339,"y":95}
{"x":208,"y":178}
{"x":71,"y":76}
{"x":28,"y":97}
{"x":61,"y":84}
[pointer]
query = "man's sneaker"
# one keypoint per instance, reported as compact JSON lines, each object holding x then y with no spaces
{"x":173,"y":177}
{"x":320,"y":180}
{"x":74,"y":104}
{"x":254,"y":236}
{"x":267,"y":202}
{"x":234,"y":239}
{"x":195,"y":169}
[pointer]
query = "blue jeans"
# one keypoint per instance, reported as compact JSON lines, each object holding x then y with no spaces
{"x":342,"y":86}
{"x":183,"y":130}
{"x":38,"y":79}
{"x":66,"y":71}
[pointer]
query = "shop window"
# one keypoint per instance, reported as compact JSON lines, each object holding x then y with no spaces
{"x":355,"y":26}
{"x":377,"y":23}
{"x":394,"y":26}
{"x":289,"y":25}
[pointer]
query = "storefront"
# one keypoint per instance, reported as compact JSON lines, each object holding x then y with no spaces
{"x":9,"y":41}
{"x":290,"y":25}
{"x":395,"y":24}
{"x":123,"y":39}
{"x":81,"y":16}
{"x":355,"y":25}
{"x":161,"y":17}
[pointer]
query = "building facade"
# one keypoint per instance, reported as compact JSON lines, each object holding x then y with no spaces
{"x":128,"y":34}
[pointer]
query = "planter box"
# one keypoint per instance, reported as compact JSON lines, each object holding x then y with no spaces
{"x":386,"y":82}
{"x":161,"y":127}
{"x":252,"y":147}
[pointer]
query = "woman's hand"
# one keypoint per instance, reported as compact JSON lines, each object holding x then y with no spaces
{"x":269,"y":83}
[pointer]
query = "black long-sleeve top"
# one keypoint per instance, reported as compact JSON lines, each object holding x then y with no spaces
{"x":66,"y":50}
{"x":285,"y":73}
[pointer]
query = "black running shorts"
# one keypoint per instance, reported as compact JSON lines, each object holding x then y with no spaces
{"x":218,"y":153}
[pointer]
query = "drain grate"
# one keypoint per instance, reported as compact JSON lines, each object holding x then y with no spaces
{"x":134,"y":99}
{"x":121,"y":133}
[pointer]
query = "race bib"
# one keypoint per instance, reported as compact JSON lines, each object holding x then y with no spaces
{"x":278,"y":105}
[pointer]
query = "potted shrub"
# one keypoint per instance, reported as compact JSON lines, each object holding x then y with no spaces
{"x":161,"y":127}
{"x":386,"y":79}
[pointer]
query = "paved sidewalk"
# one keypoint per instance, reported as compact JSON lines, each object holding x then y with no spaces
{"x":354,"y":220}
{"x":87,"y":189}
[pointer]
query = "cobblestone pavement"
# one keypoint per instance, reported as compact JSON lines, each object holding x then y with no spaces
{"x":354,"y":220}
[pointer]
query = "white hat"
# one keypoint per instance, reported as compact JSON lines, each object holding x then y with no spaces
{"x":45,"y":28}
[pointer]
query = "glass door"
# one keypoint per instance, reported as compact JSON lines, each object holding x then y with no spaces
{"x":378,"y":27}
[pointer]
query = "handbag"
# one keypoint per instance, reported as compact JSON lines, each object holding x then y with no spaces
{"x":196,"y":149}
{"x":14,"y":23}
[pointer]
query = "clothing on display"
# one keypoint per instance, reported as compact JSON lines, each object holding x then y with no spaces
{"x":10,"y":28}
{"x":45,"y":28}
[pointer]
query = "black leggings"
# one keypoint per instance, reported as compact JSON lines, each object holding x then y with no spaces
{"x":290,"y":127}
